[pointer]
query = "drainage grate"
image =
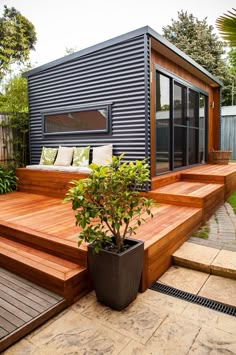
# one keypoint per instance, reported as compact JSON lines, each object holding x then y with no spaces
{"x":205,"y":302}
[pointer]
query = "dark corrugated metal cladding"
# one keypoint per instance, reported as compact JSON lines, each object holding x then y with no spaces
{"x":118,"y":74}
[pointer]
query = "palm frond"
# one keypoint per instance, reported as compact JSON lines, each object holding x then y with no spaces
{"x":226,"y":24}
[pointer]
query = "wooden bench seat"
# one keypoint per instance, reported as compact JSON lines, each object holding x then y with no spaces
{"x":46,"y":182}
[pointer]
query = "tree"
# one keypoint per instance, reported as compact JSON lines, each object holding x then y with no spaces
{"x":17,"y":38}
{"x":226,"y":24}
{"x":14,"y":96}
{"x":197,"y":39}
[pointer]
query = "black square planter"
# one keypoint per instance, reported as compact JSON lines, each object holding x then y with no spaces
{"x":116,"y":277}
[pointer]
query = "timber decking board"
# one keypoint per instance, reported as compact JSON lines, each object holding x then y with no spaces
{"x":49,"y":183}
{"x":19,"y":307}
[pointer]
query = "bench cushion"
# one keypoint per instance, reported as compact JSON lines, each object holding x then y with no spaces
{"x":71,"y":169}
{"x":48,"y":156}
{"x":64,"y":156}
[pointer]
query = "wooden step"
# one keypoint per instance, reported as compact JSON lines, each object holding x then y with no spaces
{"x":23,"y":307}
{"x":56,"y":274}
{"x":60,"y":247}
{"x":192,"y":194}
{"x":42,"y":222}
{"x":166,"y":179}
{"x":166,"y":232}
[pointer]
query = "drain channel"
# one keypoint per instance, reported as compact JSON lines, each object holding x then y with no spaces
{"x":186,"y":296}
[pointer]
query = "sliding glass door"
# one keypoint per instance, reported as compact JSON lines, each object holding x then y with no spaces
{"x":163,"y":124}
{"x":180,"y":124}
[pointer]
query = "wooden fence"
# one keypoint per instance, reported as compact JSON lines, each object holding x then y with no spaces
{"x":14,"y":138}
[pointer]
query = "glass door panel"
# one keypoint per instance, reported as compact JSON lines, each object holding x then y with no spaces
{"x":180,"y":124}
{"x":192,"y":146}
{"x":180,"y":128}
{"x":180,"y":135}
{"x":193,"y":125}
{"x":162,"y":123}
{"x":202,"y":124}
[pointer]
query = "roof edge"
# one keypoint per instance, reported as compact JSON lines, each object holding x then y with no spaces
{"x":88,"y":50}
{"x":180,"y":53}
{"x":120,"y":38}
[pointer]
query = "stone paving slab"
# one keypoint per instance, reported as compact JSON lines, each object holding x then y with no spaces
{"x":173,"y":327}
{"x":220,"y":289}
{"x":184,"y":279}
{"x":195,"y":256}
{"x":225,"y":264}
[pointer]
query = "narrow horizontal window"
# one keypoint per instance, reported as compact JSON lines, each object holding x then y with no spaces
{"x":80,"y":121}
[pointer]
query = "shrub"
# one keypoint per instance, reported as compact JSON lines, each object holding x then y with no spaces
{"x":7,"y":180}
{"x":111,"y":195}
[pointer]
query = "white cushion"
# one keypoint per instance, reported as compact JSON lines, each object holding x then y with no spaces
{"x":102,"y":155}
{"x":71,"y":169}
{"x":64,"y":156}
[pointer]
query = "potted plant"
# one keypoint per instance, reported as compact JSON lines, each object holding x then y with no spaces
{"x":221,"y":157}
{"x":109,"y":208}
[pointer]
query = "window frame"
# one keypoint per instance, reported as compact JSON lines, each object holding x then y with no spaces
{"x":70,"y":109}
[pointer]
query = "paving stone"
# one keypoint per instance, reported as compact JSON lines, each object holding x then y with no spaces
{"x":184,"y":279}
{"x":225,"y":264}
{"x":23,"y":347}
{"x":138,"y":321}
{"x":174,"y":336}
{"x":213,"y":341}
{"x":135,"y":348}
{"x":220,"y":289}
{"x":163,"y":302}
{"x":74,"y":331}
{"x":195,"y":256}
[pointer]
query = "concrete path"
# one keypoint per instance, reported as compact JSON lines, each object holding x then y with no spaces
{"x":222,"y":227}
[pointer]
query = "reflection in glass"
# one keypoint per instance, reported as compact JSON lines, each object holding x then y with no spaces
{"x":193,"y":146}
{"x":202,"y":120}
{"x":179,"y":146}
{"x":179,"y":110}
{"x":193,"y":108}
{"x":162,"y":123}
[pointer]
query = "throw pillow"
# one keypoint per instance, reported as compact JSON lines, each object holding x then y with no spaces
{"x":64,"y":156}
{"x":102,"y":155}
{"x":81,"y":156}
{"x":48,"y":156}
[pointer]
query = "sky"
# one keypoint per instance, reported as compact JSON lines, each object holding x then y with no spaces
{"x":79,"y":24}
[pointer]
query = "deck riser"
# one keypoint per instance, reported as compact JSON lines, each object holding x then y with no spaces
{"x":158,"y":257}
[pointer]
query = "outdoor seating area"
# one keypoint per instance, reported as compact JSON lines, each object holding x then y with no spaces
{"x":39,"y":236}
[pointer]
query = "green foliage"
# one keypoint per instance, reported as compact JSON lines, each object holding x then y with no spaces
{"x":14,"y":97}
{"x":197,"y":39}
{"x":232,"y":201}
{"x":17,"y":38}
{"x":110,"y":196}
{"x":226,"y":25}
{"x":7,"y":180}
{"x":202,"y":233}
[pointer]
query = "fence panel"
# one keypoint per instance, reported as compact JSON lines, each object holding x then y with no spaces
{"x":14,"y":138}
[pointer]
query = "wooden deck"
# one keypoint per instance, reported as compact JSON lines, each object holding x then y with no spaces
{"x":38,"y":236}
{"x":23,"y":307}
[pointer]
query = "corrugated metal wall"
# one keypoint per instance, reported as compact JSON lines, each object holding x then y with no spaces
{"x":228,"y":134}
{"x":119,"y":74}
